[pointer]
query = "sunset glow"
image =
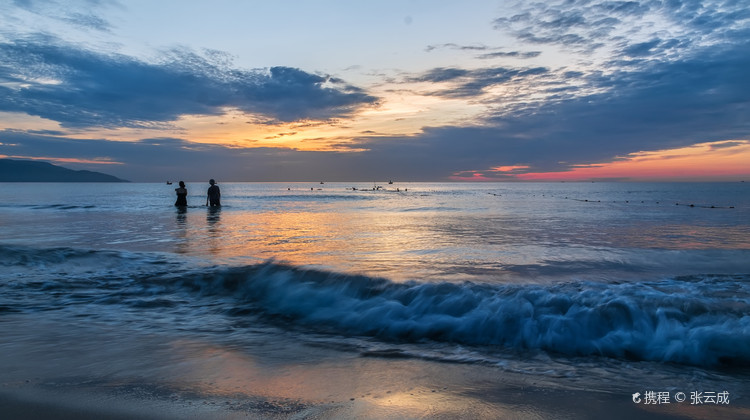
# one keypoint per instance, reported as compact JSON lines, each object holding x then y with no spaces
{"x":413,"y":92}
{"x":721,"y":161}
{"x":103,"y":161}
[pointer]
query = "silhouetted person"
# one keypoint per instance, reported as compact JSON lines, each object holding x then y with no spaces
{"x":214,"y":194}
{"x":181,"y":195}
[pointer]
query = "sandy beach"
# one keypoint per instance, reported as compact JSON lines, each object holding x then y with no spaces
{"x":98,"y":375}
{"x":424,"y":390}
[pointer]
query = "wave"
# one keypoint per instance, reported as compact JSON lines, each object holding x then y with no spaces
{"x":64,"y":206}
{"x":696,"y":320}
{"x":49,"y":206}
{"x":432,"y":209}
{"x":309,"y":196}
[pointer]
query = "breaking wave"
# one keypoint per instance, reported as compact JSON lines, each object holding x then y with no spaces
{"x":696,"y":320}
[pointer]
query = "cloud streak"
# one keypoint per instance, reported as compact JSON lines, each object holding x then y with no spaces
{"x":475,"y":83}
{"x":493,"y":52}
{"x":79,"y":88}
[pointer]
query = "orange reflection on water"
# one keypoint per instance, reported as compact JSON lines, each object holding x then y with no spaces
{"x":223,"y":371}
{"x":349,"y":241}
{"x":341,"y":385}
{"x":375,"y":387}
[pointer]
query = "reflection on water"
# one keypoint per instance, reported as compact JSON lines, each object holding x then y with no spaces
{"x":214,"y":230}
{"x":213,"y":215}
{"x":430,"y":245}
{"x":284,"y":379}
{"x":181,"y":217}
{"x":450,"y":232}
{"x":180,"y":232}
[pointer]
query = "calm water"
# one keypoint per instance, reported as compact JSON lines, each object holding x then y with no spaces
{"x":432,"y":232}
{"x":575,"y":283}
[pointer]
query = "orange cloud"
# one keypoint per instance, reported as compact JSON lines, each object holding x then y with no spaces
{"x":725,"y":160}
{"x":400,"y":113}
{"x":512,"y":168}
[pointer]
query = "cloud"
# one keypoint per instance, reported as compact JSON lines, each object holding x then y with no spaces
{"x":146,"y":160}
{"x":159,"y":159}
{"x":79,"y":14}
{"x":441,"y":74}
{"x":453,"y":46}
{"x":514,"y":54}
{"x":570,"y":24}
{"x":495,"y":52}
{"x":729,"y":145}
{"x":475,"y":82}
{"x":79,"y":88}
{"x":87,"y":21}
{"x":650,"y":89}
{"x":627,"y":28}
{"x":662,"y":105}
{"x":641,"y":49}
{"x":642,"y":76}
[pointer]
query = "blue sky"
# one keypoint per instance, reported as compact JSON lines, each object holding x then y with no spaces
{"x":361,"y":91}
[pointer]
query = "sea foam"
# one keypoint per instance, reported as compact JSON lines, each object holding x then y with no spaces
{"x":695,"y":320}
{"x":692,"y":320}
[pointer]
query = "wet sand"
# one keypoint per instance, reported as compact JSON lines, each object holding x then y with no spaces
{"x":54,"y":370}
{"x":422,"y":391}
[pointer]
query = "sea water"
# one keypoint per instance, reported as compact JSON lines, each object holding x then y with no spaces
{"x":574,"y":284}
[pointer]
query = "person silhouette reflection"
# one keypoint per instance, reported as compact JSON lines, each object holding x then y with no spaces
{"x":213,"y":215}
{"x":181,"y":195}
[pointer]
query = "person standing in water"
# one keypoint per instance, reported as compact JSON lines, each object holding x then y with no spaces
{"x":214,"y":194}
{"x":181,"y":195}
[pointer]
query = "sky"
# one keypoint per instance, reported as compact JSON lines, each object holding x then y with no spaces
{"x":409,"y":90}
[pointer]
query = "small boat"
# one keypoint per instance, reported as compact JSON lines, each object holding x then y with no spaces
{"x":169,"y":182}
{"x":390,"y":182}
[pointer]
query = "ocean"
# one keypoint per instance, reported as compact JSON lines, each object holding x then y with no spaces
{"x":295,"y":295}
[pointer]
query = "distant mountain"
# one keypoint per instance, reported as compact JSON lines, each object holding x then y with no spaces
{"x":34,"y":171}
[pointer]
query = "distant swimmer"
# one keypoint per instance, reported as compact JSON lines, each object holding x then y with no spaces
{"x":214,"y":194}
{"x":181,"y":195}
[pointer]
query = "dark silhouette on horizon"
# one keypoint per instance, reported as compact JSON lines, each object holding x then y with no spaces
{"x":12,"y":170}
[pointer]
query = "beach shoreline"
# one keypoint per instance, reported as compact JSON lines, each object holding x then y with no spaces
{"x":95,"y":375}
{"x":454,"y":400}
